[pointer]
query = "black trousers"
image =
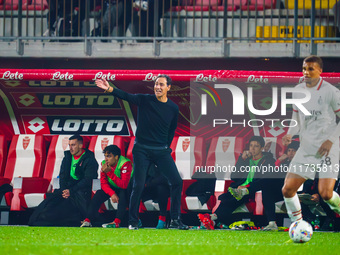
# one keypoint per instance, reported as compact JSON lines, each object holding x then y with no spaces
{"x":100,"y":197}
{"x":306,"y":212}
{"x":271,"y":193}
{"x":4,"y":188}
{"x":142,"y":158}
{"x":58,"y":211}
{"x":157,"y":188}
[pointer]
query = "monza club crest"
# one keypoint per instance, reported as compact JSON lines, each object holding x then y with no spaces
{"x":64,"y":143}
{"x":104,"y":142}
{"x":225,"y":144}
{"x":26,"y":142}
{"x":185,"y":144}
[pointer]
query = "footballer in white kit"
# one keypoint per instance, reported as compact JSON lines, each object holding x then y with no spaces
{"x":315,"y":129}
{"x":319,"y":140}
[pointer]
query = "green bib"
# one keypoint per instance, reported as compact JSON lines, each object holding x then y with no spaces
{"x":74,"y":164}
{"x":252,"y":166}
{"x":122,"y":160}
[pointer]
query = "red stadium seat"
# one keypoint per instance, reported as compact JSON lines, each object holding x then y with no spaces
{"x":58,"y":145}
{"x":259,"y":5}
{"x":129,"y":150}
{"x":50,"y":181}
{"x":24,"y":167}
{"x":6,"y":7}
{"x":232,"y":5}
{"x":188,"y":152}
{"x":37,"y":5}
{"x":13,"y":4}
{"x":97,"y":145}
{"x":224,"y":152}
{"x":202,"y":5}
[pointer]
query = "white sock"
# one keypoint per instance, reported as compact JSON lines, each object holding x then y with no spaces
{"x":334,"y":202}
{"x":293,"y":208}
{"x":213,"y":216}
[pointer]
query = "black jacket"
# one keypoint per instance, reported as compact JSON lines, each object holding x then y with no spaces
{"x":86,"y":170}
{"x":240,"y":176}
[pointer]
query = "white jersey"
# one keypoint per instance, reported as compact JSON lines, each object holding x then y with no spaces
{"x":323,"y":105}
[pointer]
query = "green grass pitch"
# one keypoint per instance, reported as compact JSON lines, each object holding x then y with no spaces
{"x":51,"y":240}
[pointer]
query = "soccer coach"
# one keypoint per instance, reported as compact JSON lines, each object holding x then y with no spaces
{"x":156,"y":125}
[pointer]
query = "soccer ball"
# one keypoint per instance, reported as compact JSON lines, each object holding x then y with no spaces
{"x":300,"y":231}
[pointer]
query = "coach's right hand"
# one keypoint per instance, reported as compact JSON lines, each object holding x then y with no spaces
{"x":102,"y":83}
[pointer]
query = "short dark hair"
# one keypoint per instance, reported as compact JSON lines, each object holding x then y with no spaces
{"x":294,"y":145}
{"x":77,"y":137}
{"x":114,"y":149}
{"x":314,"y":59}
{"x":258,"y":139}
{"x":168,"y":79}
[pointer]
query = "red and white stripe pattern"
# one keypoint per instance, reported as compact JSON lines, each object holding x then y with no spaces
{"x":59,"y":144}
{"x":26,"y":158}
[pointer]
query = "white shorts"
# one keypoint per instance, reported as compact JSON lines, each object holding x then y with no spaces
{"x":306,"y":165}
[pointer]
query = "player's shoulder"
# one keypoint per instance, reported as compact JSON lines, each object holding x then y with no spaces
{"x":329,"y":89}
{"x":328,"y":85}
{"x":127,"y":163}
{"x":300,"y":85}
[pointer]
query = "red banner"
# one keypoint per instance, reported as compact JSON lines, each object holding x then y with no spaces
{"x":66,"y":101}
{"x":261,"y":77}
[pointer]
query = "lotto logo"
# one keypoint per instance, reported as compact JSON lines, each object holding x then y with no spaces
{"x":36,"y":124}
{"x":27,"y":99}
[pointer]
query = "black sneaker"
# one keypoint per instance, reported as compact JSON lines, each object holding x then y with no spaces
{"x":178,"y":224}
